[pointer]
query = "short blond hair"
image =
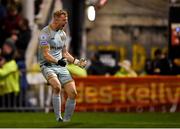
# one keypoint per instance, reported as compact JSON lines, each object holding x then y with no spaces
{"x":58,"y":13}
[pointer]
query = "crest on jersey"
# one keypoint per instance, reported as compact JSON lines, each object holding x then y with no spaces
{"x":43,"y":37}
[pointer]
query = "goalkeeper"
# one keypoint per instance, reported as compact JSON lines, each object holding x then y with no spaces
{"x":53,"y":57}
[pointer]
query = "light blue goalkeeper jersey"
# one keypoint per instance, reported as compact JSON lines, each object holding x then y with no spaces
{"x":55,"y":39}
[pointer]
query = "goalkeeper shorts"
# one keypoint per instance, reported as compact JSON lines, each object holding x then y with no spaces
{"x":61,"y":73}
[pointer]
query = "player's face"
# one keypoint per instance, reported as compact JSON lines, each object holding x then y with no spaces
{"x":62,"y":21}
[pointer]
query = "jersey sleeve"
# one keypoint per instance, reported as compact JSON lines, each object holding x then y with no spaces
{"x":64,"y":39}
{"x":43,"y":40}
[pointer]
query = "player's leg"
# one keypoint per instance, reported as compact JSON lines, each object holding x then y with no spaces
{"x":70,"y":89}
{"x":48,"y":99}
{"x":56,"y":98}
{"x":52,"y":79}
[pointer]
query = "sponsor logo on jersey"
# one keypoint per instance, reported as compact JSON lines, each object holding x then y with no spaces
{"x":44,"y":43}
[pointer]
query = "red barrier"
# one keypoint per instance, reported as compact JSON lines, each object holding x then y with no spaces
{"x":99,"y":93}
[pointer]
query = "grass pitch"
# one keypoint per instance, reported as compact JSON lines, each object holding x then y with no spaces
{"x":89,"y":120}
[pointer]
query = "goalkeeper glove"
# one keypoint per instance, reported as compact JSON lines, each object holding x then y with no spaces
{"x":81,"y":63}
{"x":62,"y":62}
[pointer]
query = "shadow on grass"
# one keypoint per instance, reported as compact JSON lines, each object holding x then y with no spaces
{"x":69,"y":125}
{"x":88,"y":125}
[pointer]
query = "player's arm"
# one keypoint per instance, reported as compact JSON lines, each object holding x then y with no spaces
{"x":67,"y":55}
{"x":47,"y":56}
{"x":45,"y":47}
{"x":46,"y":51}
{"x":81,"y":63}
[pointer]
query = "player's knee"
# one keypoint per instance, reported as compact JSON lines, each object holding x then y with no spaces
{"x":72,"y":95}
{"x":57,"y":89}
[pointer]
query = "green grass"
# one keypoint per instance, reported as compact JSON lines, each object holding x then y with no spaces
{"x":89,"y":120}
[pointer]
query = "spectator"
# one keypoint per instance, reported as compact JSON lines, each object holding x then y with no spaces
{"x":24,"y":37}
{"x":9,"y":75}
{"x":98,"y":68}
{"x":10,"y":22}
{"x":125,"y":70}
{"x":165,"y":64}
{"x":161,"y":65}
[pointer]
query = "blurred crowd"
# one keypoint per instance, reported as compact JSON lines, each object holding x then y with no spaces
{"x":15,"y":35}
{"x":159,"y":64}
